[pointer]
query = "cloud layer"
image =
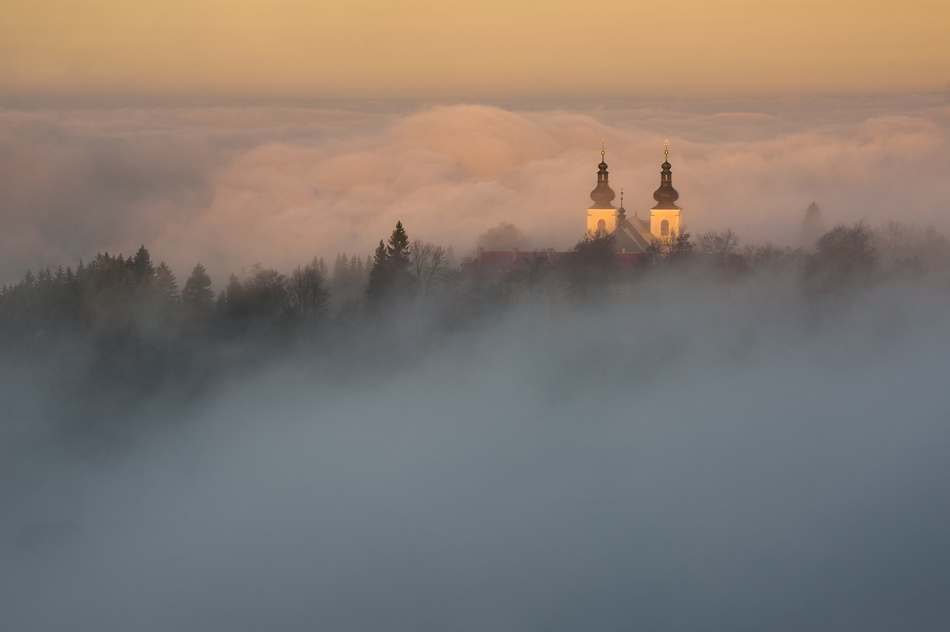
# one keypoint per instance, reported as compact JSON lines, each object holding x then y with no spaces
{"x":752,"y":462}
{"x":278,"y":185}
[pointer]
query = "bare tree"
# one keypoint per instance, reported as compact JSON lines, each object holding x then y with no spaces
{"x":679,"y":245}
{"x":534,"y":271}
{"x":656,"y":250}
{"x":307,"y":296}
{"x":675,"y":246}
{"x":427,"y":262}
{"x":771,"y":258}
{"x":901,"y":245}
{"x":722,"y":243}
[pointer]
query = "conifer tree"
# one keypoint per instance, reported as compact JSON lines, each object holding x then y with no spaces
{"x":357,"y":273}
{"x":221,"y":304}
{"x":399,"y":251}
{"x":341,"y":274}
{"x":197,"y":295}
{"x":391,"y":277}
{"x":165,"y":284}
{"x":234,"y":296}
{"x":379,"y":277}
{"x":141,"y":265}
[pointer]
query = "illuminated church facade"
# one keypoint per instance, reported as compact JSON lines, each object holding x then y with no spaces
{"x":634,"y":234}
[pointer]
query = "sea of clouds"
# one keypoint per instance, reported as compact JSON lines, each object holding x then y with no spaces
{"x":686,"y":459}
{"x":233,"y":186}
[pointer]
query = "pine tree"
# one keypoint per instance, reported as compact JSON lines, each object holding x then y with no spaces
{"x":141,"y":265}
{"x":378,"y":285}
{"x":165,"y":284}
{"x":232,"y":302}
{"x":341,"y":274}
{"x":391,"y":277}
{"x":357,"y":273}
{"x":197,"y":295}
{"x":399,"y":251}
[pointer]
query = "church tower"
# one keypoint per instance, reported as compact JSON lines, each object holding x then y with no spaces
{"x":665,"y":218}
{"x":602,"y":216}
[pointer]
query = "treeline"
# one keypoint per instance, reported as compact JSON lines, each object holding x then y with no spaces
{"x":120,"y":302}
{"x":845,"y":258}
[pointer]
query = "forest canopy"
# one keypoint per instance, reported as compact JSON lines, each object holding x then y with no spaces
{"x":118,"y":302}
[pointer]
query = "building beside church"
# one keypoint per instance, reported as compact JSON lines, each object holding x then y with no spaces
{"x":634,"y":234}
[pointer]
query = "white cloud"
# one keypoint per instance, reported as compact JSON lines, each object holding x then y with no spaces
{"x":232,"y":186}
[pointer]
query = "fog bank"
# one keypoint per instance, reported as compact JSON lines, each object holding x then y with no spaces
{"x":687,"y":459}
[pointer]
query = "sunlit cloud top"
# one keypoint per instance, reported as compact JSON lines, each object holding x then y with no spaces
{"x":424,"y":49}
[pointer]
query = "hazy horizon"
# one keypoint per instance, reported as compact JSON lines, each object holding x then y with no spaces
{"x":233,"y":186}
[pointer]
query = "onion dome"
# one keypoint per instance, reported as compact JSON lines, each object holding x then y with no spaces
{"x":602,"y":194}
{"x":621,"y":212}
{"x":666,"y":195}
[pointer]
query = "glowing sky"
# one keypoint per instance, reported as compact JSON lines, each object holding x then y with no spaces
{"x":441,"y":49}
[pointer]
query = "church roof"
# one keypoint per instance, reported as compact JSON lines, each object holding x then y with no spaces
{"x":666,"y":195}
{"x":602,"y":195}
{"x":632,"y":235}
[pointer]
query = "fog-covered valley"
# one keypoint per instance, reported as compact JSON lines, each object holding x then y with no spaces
{"x":690,"y":456}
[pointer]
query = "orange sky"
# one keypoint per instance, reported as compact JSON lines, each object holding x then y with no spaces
{"x":427,"y":49}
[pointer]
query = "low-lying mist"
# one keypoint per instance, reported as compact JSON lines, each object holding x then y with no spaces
{"x":688,"y":456}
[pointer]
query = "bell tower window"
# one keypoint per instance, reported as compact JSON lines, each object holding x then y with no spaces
{"x":665,"y":228}
{"x":601,"y":226}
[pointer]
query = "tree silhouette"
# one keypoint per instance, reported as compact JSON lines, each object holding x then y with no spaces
{"x":165,"y":284}
{"x":844,"y":257}
{"x":141,"y":265}
{"x":379,"y":275}
{"x":197,"y":295}
{"x":504,"y":236}
{"x":592,"y":263}
{"x":308,"y":298}
{"x":391,"y":276}
{"x":399,"y":261}
{"x":427,"y":264}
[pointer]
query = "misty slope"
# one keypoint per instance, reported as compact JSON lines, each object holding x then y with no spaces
{"x":687,"y":460}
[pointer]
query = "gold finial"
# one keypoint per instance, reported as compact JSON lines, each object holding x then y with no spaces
{"x":666,"y":143}
{"x":602,"y":153}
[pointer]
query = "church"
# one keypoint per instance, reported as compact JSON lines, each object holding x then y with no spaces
{"x":634,"y":234}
